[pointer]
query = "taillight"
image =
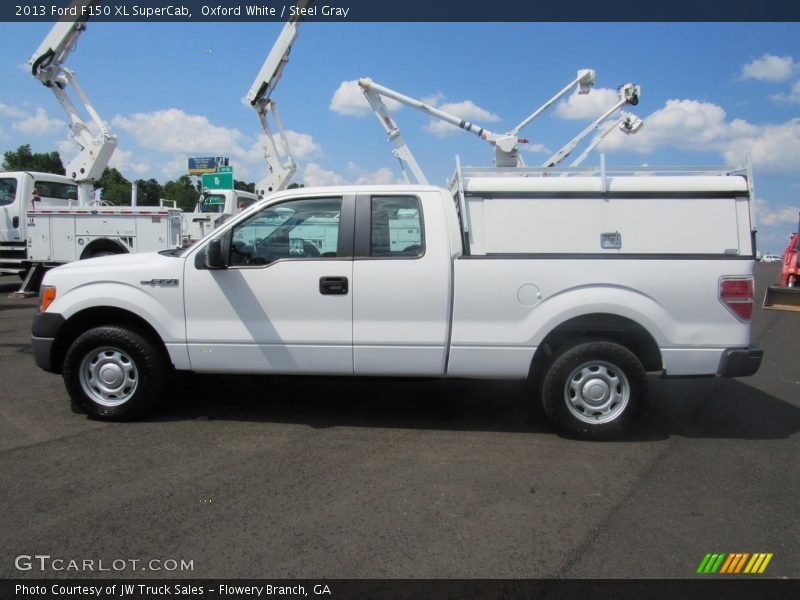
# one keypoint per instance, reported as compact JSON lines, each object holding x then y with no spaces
{"x":736,"y":293}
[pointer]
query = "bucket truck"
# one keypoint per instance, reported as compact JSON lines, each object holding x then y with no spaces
{"x":217,"y":206}
{"x":47,"y":219}
{"x":281,"y":165}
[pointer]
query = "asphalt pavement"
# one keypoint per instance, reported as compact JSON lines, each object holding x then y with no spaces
{"x":338,"y":478}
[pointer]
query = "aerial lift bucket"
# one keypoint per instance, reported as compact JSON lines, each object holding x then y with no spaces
{"x":782,"y":298}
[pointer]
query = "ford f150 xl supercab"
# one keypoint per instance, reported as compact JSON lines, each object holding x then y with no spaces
{"x":583,"y":283}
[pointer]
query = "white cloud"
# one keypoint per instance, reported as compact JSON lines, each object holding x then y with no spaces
{"x":303,"y":145}
{"x":123,"y":161}
{"x":536,"y":148}
{"x":792,"y":97}
{"x":67,"y":149}
{"x":466,"y":109}
{"x":176,"y":167}
{"x":587,"y":106}
{"x":769,"y":68}
{"x":705,"y":127}
{"x":769,"y":217}
{"x":39,"y":124}
{"x":383,"y":176}
{"x":172,"y":130}
{"x":349,"y":100}
{"x":314,"y":175}
{"x":12,"y":111}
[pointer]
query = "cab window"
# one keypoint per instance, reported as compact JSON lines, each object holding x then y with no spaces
{"x":298,"y":229}
{"x":396,"y":228}
{"x":8,"y":190}
{"x":56,"y":190}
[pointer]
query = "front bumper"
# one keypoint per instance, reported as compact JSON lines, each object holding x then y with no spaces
{"x":43,"y":337}
{"x":740,"y":362}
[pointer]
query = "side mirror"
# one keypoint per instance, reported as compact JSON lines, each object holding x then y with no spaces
{"x":214,"y":255}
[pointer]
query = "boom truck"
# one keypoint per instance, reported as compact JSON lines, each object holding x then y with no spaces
{"x":47,"y":219}
{"x":217,"y":206}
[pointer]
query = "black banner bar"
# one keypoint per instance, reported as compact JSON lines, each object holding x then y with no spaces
{"x":405,"y":11}
{"x":705,"y":588}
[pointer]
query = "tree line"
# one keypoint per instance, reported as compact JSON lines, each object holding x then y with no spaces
{"x":116,"y":188}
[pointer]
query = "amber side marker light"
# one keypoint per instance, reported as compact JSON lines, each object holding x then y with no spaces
{"x":46,"y":298}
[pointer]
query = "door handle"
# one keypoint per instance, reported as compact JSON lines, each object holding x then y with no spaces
{"x":329,"y":286}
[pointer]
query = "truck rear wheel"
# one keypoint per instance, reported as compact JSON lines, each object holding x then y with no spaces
{"x":114,"y":373}
{"x":590,"y":388}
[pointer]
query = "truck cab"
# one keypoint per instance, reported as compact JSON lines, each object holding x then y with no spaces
{"x":19,"y":192}
{"x":214,"y":208}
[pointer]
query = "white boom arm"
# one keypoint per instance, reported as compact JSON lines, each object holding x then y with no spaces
{"x":281,"y":168}
{"x":47,"y":65}
{"x":628,"y":94}
{"x":373,"y":93}
{"x":505,"y":144}
{"x":628,"y":123}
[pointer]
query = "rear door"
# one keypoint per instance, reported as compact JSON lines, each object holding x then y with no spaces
{"x":401,"y":287}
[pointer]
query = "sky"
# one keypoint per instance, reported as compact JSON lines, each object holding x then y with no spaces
{"x":712,"y":95}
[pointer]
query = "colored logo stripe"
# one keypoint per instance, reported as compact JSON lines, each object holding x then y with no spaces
{"x":734,"y":563}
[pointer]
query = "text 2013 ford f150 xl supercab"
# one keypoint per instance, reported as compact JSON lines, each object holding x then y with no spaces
{"x":582,"y":283}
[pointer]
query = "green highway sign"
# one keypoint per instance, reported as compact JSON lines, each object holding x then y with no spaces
{"x":225,"y":169}
{"x":218,"y":181}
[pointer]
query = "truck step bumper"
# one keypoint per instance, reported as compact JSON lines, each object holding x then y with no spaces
{"x":740,"y":362}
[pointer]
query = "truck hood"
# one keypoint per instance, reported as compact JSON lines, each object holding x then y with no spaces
{"x":131,"y":269}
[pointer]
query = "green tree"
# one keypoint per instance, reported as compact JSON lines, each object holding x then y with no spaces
{"x":22,"y":159}
{"x":183,"y":192}
{"x":244,"y":186}
{"x":149,"y":192}
{"x":116,"y":189}
{"x":294,"y":186}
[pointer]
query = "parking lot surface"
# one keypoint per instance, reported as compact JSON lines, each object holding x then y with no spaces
{"x":338,"y":478}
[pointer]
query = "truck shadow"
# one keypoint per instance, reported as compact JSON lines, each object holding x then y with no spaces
{"x":713,"y":408}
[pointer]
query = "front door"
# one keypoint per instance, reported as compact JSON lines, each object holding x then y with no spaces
{"x":284,"y":304}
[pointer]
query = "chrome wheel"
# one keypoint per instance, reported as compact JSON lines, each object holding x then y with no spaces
{"x":108,"y":376}
{"x":597,"y":392}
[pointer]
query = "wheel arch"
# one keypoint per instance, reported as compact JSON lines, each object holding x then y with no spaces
{"x":99,"y":316}
{"x":103,"y":247}
{"x":599,"y":326}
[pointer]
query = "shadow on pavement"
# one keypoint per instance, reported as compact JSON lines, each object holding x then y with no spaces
{"x":696,"y":408}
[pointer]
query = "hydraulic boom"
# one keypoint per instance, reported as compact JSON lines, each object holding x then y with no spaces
{"x":281,"y":164}
{"x":47,"y":65}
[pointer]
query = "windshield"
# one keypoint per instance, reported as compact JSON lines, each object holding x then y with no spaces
{"x":212,"y":203}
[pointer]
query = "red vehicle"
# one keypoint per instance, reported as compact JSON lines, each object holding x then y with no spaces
{"x":786,"y":295}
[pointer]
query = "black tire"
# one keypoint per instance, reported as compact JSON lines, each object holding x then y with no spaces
{"x":114,"y":374}
{"x":591,"y":388}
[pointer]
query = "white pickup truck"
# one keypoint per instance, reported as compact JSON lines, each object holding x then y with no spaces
{"x":583,"y":283}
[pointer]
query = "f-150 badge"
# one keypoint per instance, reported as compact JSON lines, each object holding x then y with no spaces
{"x":161,"y":282}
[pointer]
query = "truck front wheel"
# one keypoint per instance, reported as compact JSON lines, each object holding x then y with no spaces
{"x":590,"y":388}
{"x":114,"y":374}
